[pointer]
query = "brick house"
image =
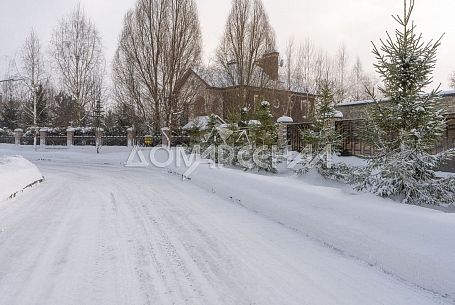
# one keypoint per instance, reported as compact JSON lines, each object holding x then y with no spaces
{"x":202,"y":95}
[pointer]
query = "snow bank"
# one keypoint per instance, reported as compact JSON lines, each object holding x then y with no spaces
{"x":16,"y":174}
{"x":412,"y":243}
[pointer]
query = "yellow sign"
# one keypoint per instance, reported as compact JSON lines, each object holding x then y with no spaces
{"x":148,"y":140}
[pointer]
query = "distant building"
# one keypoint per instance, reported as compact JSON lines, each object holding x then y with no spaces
{"x":207,"y":94}
{"x":354,"y":112}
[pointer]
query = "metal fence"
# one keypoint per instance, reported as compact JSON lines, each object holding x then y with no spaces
{"x":294,"y":136}
{"x":84,"y":141}
{"x":114,"y":141}
{"x":29,"y":140}
{"x":56,"y":141}
{"x":7,"y":139}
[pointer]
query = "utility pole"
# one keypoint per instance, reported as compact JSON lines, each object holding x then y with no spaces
{"x":98,"y":116}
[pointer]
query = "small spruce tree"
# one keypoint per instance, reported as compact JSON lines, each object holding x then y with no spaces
{"x":212,"y":138}
{"x":264,"y":136}
{"x":404,"y":128}
{"x":321,"y":138}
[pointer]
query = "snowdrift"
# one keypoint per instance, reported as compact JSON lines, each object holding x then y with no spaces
{"x":16,"y":174}
{"x":411,"y":243}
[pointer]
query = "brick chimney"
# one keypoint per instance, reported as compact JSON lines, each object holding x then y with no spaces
{"x":269,"y":64}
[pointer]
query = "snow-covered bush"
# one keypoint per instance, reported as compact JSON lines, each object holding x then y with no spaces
{"x":84,"y":131}
{"x":56,"y":132}
{"x":116,"y":131}
{"x":5,"y":132}
{"x":248,"y":143}
{"x":408,"y":175}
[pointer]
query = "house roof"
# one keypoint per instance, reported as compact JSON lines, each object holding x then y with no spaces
{"x":214,"y":79}
{"x":363,"y":102}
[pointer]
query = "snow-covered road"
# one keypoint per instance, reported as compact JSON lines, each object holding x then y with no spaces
{"x":98,"y":233}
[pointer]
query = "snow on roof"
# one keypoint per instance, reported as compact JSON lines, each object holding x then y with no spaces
{"x":361,"y":102}
{"x":217,"y":78}
{"x":254,"y":123}
{"x":214,"y":77}
{"x":338,"y":115}
{"x":285,"y":119}
{"x":352,"y":103}
{"x":448,"y":93}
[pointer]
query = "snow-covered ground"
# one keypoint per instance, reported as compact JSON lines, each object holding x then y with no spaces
{"x":16,"y":173}
{"x":96,"y":232}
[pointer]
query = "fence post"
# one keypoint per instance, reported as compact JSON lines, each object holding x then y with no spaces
{"x":283,"y":123}
{"x":18,"y":133}
{"x":99,"y":137}
{"x":166,"y":136}
{"x":130,"y":136}
{"x":42,"y":137}
{"x":69,"y":136}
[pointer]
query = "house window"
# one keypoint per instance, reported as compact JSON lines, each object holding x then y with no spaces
{"x":199,"y":107}
{"x":215,"y":106}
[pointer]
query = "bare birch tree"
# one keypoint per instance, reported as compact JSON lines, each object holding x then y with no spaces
{"x":32,"y":72}
{"x":341,"y":62}
{"x":127,"y":89}
{"x":78,"y":57}
{"x":359,"y":83}
{"x":247,"y":37}
{"x":305,"y":67}
{"x":290,"y":65}
{"x":160,"y":42}
{"x":310,"y":65}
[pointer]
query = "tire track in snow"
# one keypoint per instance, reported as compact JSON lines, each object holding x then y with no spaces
{"x":165,"y":245}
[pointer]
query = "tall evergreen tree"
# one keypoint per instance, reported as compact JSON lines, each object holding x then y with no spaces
{"x":64,"y":110}
{"x":10,"y":114}
{"x":404,"y":128}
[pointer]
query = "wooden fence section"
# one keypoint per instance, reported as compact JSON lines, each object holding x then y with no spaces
{"x":352,"y":144}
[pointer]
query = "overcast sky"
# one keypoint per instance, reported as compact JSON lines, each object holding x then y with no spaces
{"x":327,"y":22}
